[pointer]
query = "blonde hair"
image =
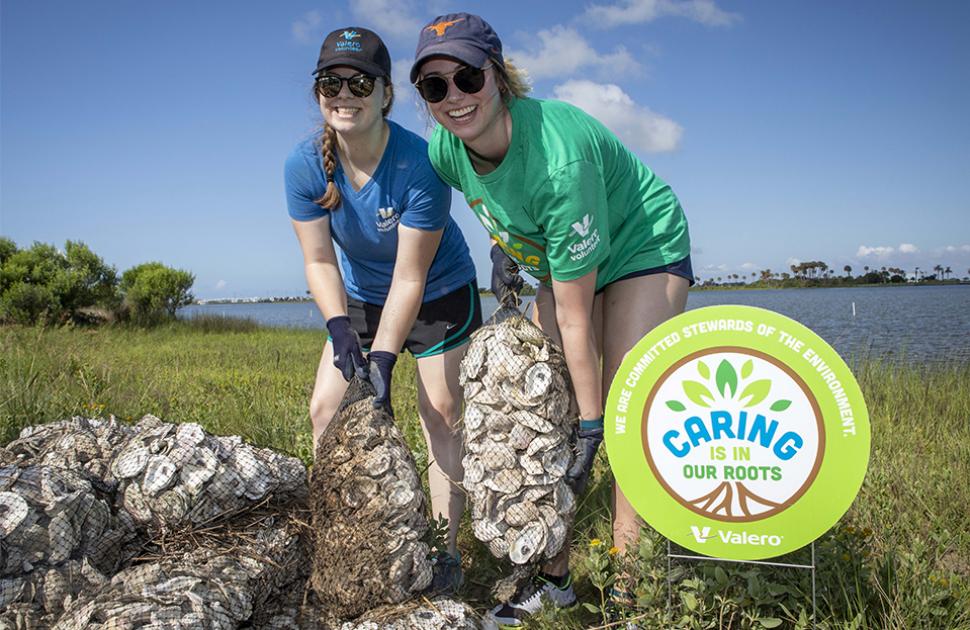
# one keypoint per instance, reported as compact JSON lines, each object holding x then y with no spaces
{"x":330,"y":199}
{"x":512,"y":80}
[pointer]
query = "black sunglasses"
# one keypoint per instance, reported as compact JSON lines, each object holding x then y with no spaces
{"x":361,"y":85}
{"x":435,"y":88}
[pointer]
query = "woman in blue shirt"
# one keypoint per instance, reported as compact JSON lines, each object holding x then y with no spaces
{"x":405,"y":278}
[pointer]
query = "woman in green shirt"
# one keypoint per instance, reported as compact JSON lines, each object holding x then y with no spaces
{"x":564,"y":200}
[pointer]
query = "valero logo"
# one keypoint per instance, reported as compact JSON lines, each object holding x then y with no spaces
{"x":737,"y":432}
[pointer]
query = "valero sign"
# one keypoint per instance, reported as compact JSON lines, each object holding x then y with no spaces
{"x":737,"y":432}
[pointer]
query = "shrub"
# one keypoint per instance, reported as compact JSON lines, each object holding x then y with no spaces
{"x":44,"y":284}
{"x":154,"y":292}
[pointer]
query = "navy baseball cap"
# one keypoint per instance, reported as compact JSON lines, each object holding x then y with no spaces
{"x":356,"y":47}
{"x":462,"y":36}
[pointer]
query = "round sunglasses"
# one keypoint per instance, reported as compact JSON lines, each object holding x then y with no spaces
{"x":469,"y":80}
{"x":361,"y":85}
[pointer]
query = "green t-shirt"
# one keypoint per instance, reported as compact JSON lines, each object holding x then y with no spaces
{"x":568,"y":197}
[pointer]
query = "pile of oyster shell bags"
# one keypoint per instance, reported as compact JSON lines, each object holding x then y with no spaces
{"x":369,"y":511}
{"x":86,"y":508}
{"x":517,"y":426}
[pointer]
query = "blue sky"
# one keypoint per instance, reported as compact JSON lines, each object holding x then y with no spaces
{"x":791,"y":131}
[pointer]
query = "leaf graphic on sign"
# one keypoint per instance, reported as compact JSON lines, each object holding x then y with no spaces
{"x":697,"y":393}
{"x":757,"y":391}
{"x":747,"y":368}
{"x":726,"y":377}
{"x":703,"y":370}
{"x":780,"y":405}
{"x":676,"y":405}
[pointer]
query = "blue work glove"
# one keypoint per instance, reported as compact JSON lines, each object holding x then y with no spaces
{"x":381,"y":366}
{"x":589,"y":438}
{"x":347,"y":356}
{"x":506,"y":281}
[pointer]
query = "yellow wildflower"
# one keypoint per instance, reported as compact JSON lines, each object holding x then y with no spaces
{"x":596,"y":542}
{"x":614,"y":551}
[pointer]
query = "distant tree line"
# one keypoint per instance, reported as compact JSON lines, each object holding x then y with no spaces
{"x":45,"y":285}
{"x":817,"y":273}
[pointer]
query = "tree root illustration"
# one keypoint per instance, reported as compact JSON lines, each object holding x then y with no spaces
{"x":720,"y":501}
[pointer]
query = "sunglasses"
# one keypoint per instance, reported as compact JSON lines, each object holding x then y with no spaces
{"x":469,"y":80}
{"x":361,"y":85}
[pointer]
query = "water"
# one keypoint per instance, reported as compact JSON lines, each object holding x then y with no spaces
{"x":924,"y":324}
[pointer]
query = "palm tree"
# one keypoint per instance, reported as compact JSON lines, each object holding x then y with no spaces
{"x":848,"y":270}
{"x":947,"y":272}
{"x":938,"y":269}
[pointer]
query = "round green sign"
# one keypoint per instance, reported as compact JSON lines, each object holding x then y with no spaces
{"x":737,"y":432}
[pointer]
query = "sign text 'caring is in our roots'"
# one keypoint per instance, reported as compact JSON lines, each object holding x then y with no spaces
{"x":737,"y":432}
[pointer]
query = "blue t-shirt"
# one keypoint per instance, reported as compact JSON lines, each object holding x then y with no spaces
{"x":404,"y":190}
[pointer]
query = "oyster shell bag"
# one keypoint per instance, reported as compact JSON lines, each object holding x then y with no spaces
{"x":369,"y":511}
{"x":89,"y":507}
{"x":516,"y":427}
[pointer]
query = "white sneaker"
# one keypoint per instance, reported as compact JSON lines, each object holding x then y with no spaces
{"x":530,"y":599}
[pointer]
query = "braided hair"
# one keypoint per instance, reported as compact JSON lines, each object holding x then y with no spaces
{"x":328,"y":140}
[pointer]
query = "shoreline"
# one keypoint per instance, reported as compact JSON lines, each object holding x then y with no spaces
{"x":719,"y":287}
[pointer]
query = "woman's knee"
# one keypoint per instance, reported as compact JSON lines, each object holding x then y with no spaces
{"x":322,"y":412}
{"x":440,"y":415}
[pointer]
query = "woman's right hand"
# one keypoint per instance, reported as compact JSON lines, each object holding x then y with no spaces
{"x":347,"y":356}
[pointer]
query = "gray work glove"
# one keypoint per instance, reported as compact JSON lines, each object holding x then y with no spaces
{"x":590,"y":437}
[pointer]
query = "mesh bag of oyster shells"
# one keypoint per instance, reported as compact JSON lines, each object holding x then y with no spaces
{"x":80,"y":498}
{"x":216,"y":578}
{"x":369,"y":511}
{"x":176,"y":475}
{"x":84,"y":445}
{"x":517,"y":427}
{"x":58,"y":536}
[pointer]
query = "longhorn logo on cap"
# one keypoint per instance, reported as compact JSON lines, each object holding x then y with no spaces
{"x":440,"y":27}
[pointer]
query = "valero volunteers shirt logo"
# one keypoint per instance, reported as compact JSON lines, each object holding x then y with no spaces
{"x":737,"y":432}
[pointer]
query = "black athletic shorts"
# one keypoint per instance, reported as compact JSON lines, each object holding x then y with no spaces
{"x":680,"y":268}
{"x":441,"y":325}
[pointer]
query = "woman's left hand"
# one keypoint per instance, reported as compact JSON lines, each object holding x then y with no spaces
{"x":588,"y":443}
{"x":381,"y":366}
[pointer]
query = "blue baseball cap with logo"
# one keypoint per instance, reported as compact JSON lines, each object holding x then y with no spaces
{"x":462,"y":36}
{"x":357,"y":48}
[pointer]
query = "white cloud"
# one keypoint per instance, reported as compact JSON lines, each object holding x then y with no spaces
{"x":306,"y":30}
{"x":400,"y":76}
{"x":562,"y":51}
{"x":908,"y":248}
{"x":221,"y":285}
{"x":879,"y":251}
{"x":749,"y":266}
{"x":793,"y":261}
{"x":637,"y":126}
{"x":639,"y":11}
{"x":389,"y":18}
{"x":953,"y":249}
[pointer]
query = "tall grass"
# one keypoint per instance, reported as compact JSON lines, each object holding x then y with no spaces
{"x":900,"y":558}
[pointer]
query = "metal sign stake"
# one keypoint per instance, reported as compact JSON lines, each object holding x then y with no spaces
{"x":670,"y":556}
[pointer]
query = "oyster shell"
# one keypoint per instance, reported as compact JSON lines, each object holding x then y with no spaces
{"x":13,"y":511}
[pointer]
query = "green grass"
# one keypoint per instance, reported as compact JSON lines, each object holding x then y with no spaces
{"x":900,"y":558}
